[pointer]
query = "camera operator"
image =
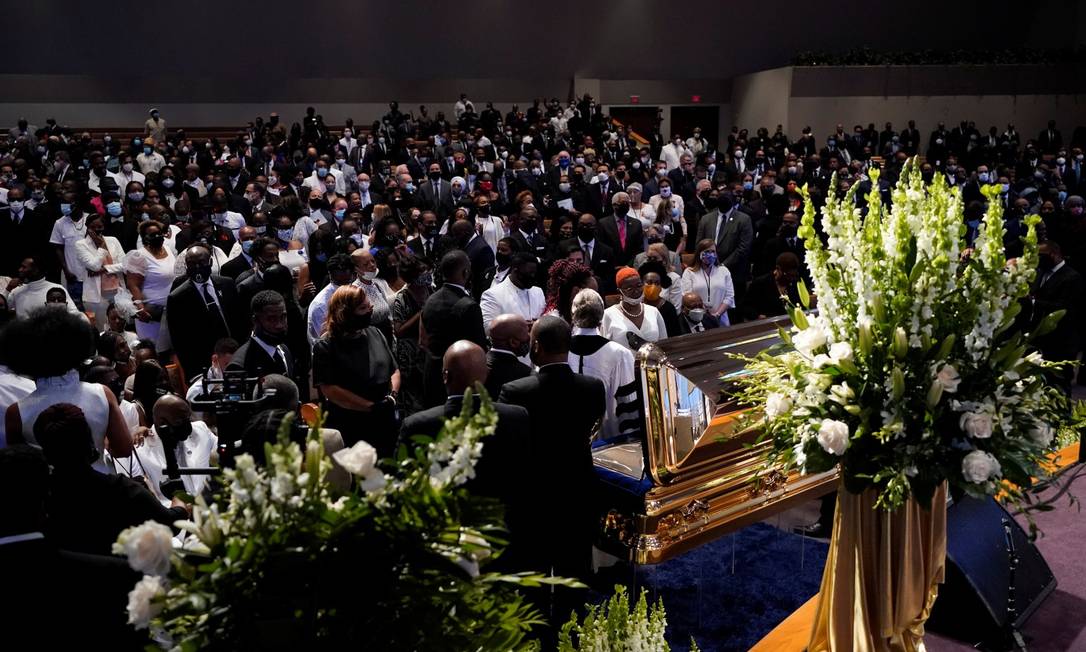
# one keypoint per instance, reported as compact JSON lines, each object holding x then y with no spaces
{"x":190,"y":442}
{"x":264,"y":426}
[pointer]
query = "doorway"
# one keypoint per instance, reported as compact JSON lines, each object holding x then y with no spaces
{"x":685,"y":118}
{"x":642,"y":119}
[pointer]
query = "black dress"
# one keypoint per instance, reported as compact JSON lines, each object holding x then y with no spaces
{"x":364,"y":366}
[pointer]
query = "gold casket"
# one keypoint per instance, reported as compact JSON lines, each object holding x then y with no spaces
{"x":696,"y":473}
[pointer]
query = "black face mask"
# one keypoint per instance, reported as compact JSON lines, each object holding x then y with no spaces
{"x":502,"y":259}
{"x":359,"y":322}
{"x":586,"y":233}
{"x":622,"y":209}
{"x":483,"y":210}
{"x":200,"y":273}
{"x":154,"y":240}
{"x":175,"y":433}
{"x":710,"y":202}
{"x":316,"y":203}
{"x":787,"y":230}
{"x":524,"y":349}
{"x":434,"y":176}
{"x":1046,"y":262}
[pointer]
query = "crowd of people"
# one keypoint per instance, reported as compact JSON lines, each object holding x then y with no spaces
{"x":381,"y":270}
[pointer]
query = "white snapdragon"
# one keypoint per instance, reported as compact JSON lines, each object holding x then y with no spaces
{"x":833,"y":436}
{"x":979,"y":466}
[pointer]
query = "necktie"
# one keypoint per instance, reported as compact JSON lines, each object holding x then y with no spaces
{"x":213,"y":308}
{"x":587,"y":254}
{"x":428,"y":248}
{"x":279,"y":362}
{"x":622,"y":232}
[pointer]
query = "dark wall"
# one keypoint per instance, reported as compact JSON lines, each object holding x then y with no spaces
{"x":202,"y":51}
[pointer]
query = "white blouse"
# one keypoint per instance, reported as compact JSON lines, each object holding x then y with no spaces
{"x":715,"y":288}
{"x":616,"y":325}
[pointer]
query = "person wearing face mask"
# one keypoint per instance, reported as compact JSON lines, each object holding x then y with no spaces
{"x":200,"y":311}
{"x":222,"y":217}
{"x":266,"y":352}
{"x":341,"y":272}
{"x":592,"y":354}
{"x":148,"y":160}
{"x":632,"y":322}
{"x":31,"y":289}
{"x":193,"y":444}
{"x":597,"y":255}
{"x":622,"y":232}
{"x":242,"y":261}
{"x":643,"y":212}
{"x":427,"y":244}
{"x":657,"y":287}
{"x":406,"y":314}
{"x":710,"y":280}
{"x":68,"y":230}
{"x":149,"y":272}
{"x":694,"y":318}
{"x":763,"y":298}
{"x":356,"y":373}
{"x":435,"y":193}
{"x":24,"y":232}
{"x":1057,"y":287}
{"x":516,"y":294}
{"x":127,"y":174}
{"x":366,"y":278}
{"x":319,"y":179}
{"x":509,"y":340}
{"x":101,"y":258}
{"x":672,"y":153}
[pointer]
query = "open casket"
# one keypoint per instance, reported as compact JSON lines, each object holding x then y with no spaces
{"x":696,"y":473}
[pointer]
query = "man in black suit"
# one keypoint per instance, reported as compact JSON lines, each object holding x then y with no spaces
{"x":243,"y":262}
{"x":1057,"y":287}
{"x":763,"y":299}
{"x":201,"y":311}
{"x":565,"y":409}
{"x":694,"y":318}
{"x":509,"y":340}
{"x":523,"y":227}
{"x":1050,"y":139}
{"x":599,"y":194}
{"x":622,"y":233}
{"x":24,"y":233}
{"x":450,"y":315}
{"x":479,"y":253}
{"x":498,"y":473}
{"x":266,"y":351}
{"x":265,"y":253}
{"x":435,"y":193}
{"x":784,"y":240}
{"x":426,"y":246}
{"x":597,"y":255}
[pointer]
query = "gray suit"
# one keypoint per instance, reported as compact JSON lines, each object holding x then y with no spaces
{"x":440,"y":202}
{"x":350,"y":176}
{"x":733,"y":245}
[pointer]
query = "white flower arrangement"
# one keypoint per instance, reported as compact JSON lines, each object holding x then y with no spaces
{"x":910,"y":374}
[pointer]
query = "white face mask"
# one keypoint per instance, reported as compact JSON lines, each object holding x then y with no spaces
{"x":369,"y":276}
{"x":634,"y":300}
{"x":696,"y":315}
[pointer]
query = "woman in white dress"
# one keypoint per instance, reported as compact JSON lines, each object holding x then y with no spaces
{"x":52,"y":343}
{"x":150,"y":273}
{"x":631,"y":322}
{"x":710,"y":280}
{"x":644,"y":212}
{"x":103,"y":259}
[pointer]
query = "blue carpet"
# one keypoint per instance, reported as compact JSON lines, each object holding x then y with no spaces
{"x":774,"y":573}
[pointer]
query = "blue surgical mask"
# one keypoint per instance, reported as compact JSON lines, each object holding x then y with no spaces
{"x":748,"y":185}
{"x":114,"y":208}
{"x":286,"y":235}
{"x":982,"y":177}
{"x":357,"y":239}
{"x":147,"y":150}
{"x":135,"y":196}
{"x":65,"y":209}
{"x":340,"y":213}
{"x":322,"y":172}
{"x":1062,"y":195}
{"x":247,"y":246}
{"x":708,"y":258}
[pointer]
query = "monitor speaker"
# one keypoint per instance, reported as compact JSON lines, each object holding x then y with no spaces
{"x":973,"y":601}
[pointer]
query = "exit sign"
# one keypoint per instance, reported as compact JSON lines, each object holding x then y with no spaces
{"x":696,"y":99}
{"x":635,"y":99}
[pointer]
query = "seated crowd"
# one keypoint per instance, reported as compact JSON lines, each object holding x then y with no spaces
{"x":381,"y":271}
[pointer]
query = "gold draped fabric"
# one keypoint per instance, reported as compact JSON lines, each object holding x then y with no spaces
{"x":882,"y":575}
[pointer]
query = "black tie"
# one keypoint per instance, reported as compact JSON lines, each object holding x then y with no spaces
{"x":428,"y":248}
{"x":279,"y":362}
{"x":213,"y":308}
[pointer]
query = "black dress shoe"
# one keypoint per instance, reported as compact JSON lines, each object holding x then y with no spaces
{"x":815,"y":531}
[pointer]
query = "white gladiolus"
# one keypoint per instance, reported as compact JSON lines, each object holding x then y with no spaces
{"x":810,"y":339}
{"x":977,"y":425}
{"x":842,"y":394}
{"x":143,"y":601}
{"x":833,"y":436}
{"x":948,"y":377}
{"x":777,"y":405}
{"x":147,"y":546}
{"x":978,"y":467}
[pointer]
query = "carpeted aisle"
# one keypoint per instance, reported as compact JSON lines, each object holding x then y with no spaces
{"x":775,"y":572}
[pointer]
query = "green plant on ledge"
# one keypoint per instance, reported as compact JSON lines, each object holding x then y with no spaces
{"x":612,"y":627}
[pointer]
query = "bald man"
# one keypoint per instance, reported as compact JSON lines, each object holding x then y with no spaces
{"x":192,"y":442}
{"x":509,"y":341}
{"x":498,"y":473}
